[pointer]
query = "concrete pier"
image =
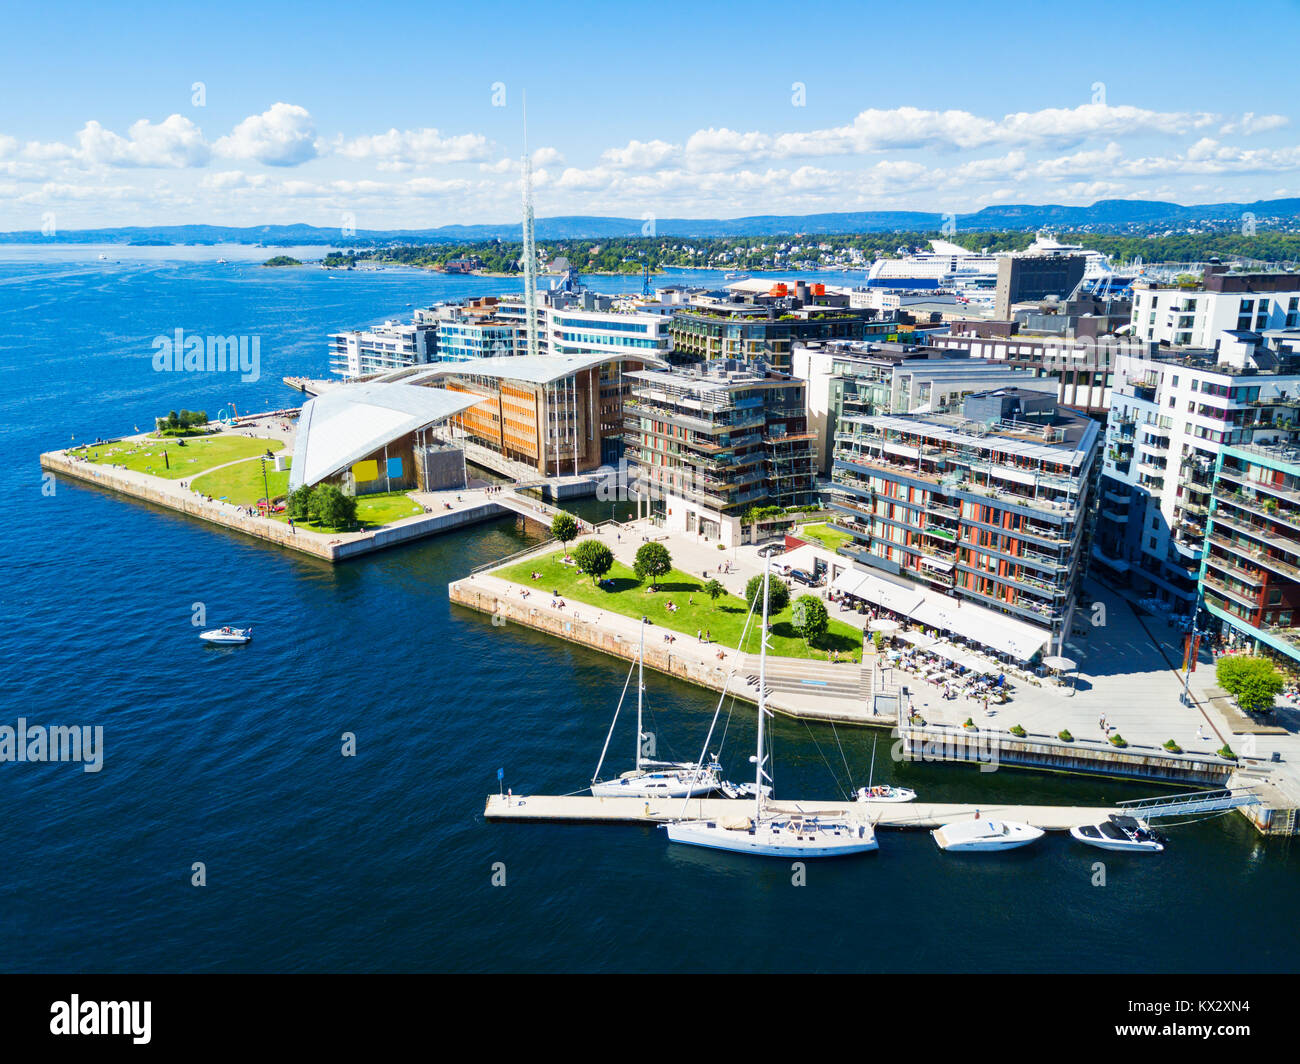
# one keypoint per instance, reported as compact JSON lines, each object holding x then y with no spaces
{"x":901,"y":815}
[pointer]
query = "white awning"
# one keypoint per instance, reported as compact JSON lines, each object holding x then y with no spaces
{"x":940,"y":564}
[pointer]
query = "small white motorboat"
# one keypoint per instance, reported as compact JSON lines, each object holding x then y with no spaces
{"x":227,"y":635}
{"x":972,"y":835}
{"x":882,"y":792}
{"x":656,"y":780}
{"x":1119,"y":833}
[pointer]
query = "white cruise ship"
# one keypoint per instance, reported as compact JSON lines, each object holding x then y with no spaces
{"x":948,"y":265}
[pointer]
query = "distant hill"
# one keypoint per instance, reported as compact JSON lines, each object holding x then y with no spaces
{"x":1114,"y":215}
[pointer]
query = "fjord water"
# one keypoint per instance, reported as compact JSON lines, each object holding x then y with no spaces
{"x":316,"y":862}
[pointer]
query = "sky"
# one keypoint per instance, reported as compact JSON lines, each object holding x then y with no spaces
{"x":391,"y":115}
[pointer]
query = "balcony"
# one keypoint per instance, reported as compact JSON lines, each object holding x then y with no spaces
{"x":1252,"y":577}
{"x":1118,"y":516}
{"x":1221,"y":588}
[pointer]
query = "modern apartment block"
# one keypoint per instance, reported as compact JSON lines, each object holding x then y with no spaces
{"x":475,"y":329}
{"x":392,"y":345}
{"x":871,"y":377}
{"x":1171,"y":416}
{"x":1033,"y":275}
{"x":712,"y":442}
{"x":764,"y":327}
{"x":1198,"y":316}
{"x":988,"y":506}
{"x":1250,"y":572}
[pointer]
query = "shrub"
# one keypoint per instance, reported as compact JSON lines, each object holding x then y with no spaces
{"x":1173,"y":747}
{"x":969,"y":723}
{"x":593,"y":557}
{"x":778,"y":594}
{"x":1018,"y":731}
{"x":652,"y":561}
{"x":1226,"y":753}
{"x":809,"y":617}
{"x":1065,"y":736}
{"x":1118,"y":740}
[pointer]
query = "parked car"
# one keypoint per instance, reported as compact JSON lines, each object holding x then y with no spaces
{"x":771,"y":549}
{"x":804,"y":577}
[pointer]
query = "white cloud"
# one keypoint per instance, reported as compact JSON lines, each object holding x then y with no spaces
{"x":174,"y":142}
{"x":640,"y":154}
{"x":1252,"y":123}
{"x":283,"y":135}
{"x":404,"y":149}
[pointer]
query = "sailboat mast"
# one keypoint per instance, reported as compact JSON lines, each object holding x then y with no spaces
{"x":762,"y":694}
{"x":640,"y":688}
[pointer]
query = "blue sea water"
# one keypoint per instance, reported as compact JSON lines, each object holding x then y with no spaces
{"x":383,"y":862}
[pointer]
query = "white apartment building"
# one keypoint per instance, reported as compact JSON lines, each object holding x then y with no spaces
{"x":392,"y":345}
{"x":1223,"y":302}
{"x":1170,"y":415}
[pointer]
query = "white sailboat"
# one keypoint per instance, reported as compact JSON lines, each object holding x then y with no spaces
{"x":653,"y":779}
{"x":771,"y":831}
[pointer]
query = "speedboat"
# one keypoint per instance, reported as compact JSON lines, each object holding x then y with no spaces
{"x":971,"y":835}
{"x":882,"y":792}
{"x":227,"y":635}
{"x":1119,"y":833}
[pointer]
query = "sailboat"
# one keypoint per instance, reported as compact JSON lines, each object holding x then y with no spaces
{"x":772,"y":831}
{"x":653,"y":779}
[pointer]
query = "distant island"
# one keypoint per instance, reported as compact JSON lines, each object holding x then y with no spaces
{"x":282,"y":260}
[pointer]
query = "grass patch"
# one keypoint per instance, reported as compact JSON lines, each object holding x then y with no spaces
{"x":195,"y":457}
{"x":828,"y":537}
{"x":723,"y":619}
{"x":373,"y":511}
{"x":242,"y":483}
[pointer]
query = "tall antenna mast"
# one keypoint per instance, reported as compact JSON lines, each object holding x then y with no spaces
{"x":530,"y":251}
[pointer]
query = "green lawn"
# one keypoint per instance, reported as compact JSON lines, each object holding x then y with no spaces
{"x":373,"y":511}
{"x":828,"y":537}
{"x":723,"y":619}
{"x":242,"y":483}
{"x":196,"y":456}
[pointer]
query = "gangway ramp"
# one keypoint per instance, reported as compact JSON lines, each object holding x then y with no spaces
{"x":1196,"y":802}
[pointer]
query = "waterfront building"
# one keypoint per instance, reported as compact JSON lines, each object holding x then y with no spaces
{"x":1199,"y":315}
{"x":711,"y":442}
{"x":1171,"y":416}
{"x":1250,"y":572}
{"x":380,"y":348}
{"x":475,"y":328}
{"x":535,"y":416}
{"x":871,"y":377}
{"x":988,"y":505}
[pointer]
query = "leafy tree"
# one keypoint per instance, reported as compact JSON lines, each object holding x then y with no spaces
{"x":330,"y":508}
{"x":653,"y":561}
{"x":298,"y":504}
{"x":594,"y":557}
{"x":778,"y":595}
{"x":564,"y":527}
{"x":714,"y":589}
{"x":809,"y":617}
{"x":1251,"y":680}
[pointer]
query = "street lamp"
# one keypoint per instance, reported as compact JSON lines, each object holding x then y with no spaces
{"x":266,"y":486}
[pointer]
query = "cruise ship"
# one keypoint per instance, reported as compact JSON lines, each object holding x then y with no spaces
{"x":949,"y":265}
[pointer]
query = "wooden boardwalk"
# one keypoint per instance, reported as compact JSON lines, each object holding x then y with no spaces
{"x":588,"y":809}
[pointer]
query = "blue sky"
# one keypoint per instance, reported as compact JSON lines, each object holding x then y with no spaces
{"x":383,"y":113}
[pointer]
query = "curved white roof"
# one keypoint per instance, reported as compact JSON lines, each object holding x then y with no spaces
{"x":532,"y":369}
{"x":345,"y":424}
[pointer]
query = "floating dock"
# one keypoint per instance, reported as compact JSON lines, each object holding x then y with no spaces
{"x":901,"y":815}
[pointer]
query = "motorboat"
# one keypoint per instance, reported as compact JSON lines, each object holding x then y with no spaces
{"x":978,"y":834}
{"x":1121,"y":833}
{"x":227,"y":635}
{"x":772,"y":831}
{"x":882,"y":792}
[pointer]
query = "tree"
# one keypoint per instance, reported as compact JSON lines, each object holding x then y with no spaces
{"x":652,"y":560}
{"x":778,"y":595}
{"x":330,"y":508}
{"x":1251,"y":680}
{"x":564,"y":527}
{"x":714,"y":589}
{"x":809,"y":617}
{"x":298,"y":504}
{"x":593,"y":557}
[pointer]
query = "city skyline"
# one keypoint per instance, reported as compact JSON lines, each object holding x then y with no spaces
{"x":711,"y":116}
